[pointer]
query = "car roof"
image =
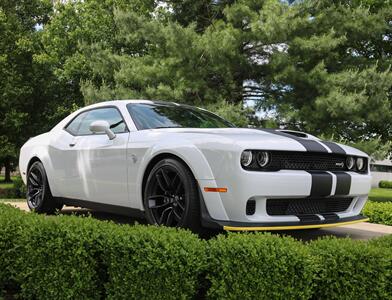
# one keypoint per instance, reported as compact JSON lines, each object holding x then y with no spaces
{"x":121,"y":102}
{"x":142,"y":101}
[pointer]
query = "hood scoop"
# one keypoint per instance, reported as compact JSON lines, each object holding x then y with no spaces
{"x":295,"y":133}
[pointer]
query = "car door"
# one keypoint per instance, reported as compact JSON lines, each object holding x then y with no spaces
{"x":96,"y":168}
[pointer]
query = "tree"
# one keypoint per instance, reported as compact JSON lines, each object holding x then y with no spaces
{"x":22,"y":80}
{"x":333,"y":75}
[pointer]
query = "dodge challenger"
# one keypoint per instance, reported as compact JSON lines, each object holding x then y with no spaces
{"x":178,"y":165}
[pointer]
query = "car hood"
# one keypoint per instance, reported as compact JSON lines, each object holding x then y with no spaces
{"x":265,"y":139}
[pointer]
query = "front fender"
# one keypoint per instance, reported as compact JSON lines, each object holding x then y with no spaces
{"x":35,"y":148}
{"x":200,"y":168}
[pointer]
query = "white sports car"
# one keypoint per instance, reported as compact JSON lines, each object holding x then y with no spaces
{"x":183,"y":166}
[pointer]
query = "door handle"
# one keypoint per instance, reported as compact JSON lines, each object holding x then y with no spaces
{"x":72,"y":144}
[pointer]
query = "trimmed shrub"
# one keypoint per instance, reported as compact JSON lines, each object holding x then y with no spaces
{"x":384,"y":184}
{"x":350,"y":269}
{"x":379,"y":212}
{"x":153,"y":263}
{"x":19,"y":188}
{"x":69,"y":257}
{"x":12,"y":225}
{"x":259,"y":266}
{"x":61,"y":258}
{"x":384,"y":243}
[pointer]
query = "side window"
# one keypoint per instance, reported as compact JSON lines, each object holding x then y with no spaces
{"x":111,"y":115}
{"x":74,"y":126}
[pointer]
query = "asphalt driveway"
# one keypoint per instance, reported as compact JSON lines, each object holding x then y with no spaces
{"x":359,"y":231}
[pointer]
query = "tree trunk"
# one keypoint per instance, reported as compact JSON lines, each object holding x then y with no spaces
{"x":7,"y":166}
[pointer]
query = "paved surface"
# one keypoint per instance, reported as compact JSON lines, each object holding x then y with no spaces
{"x":360,"y":231}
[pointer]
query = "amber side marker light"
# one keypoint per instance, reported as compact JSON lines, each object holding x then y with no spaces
{"x":217,"y":190}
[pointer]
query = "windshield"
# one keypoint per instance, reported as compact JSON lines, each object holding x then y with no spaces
{"x":161,"y":115}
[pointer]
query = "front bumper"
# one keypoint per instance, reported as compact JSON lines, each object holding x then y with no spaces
{"x":237,"y":226}
{"x":229,"y":210}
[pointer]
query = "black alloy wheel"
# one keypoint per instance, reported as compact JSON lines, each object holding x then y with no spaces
{"x":35,"y":187}
{"x":39,"y":197}
{"x":171,"y":196}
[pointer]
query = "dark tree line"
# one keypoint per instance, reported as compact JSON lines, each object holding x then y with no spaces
{"x":319,"y":66}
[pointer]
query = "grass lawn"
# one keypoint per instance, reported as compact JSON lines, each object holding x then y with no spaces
{"x":380,"y":195}
{"x":12,"y":200}
{"x":6,"y":185}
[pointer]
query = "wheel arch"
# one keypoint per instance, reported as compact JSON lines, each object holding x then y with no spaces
{"x":31,"y":161}
{"x":205,"y":212}
{"x":155,"y":160}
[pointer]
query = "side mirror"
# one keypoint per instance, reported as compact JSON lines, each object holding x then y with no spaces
{"x":101,"y":126}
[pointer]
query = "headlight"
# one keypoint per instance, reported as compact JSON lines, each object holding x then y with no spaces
{"x":360,"y":163}
{"x":246,"y":158}
{"x":350,"y":162}
{"x":263,"y":158}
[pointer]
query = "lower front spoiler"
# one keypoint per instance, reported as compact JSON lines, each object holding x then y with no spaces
{"x":239,"y":226}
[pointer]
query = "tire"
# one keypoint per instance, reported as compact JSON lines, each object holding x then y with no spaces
{"x":171,"y":196}
{"x":39,"y":197}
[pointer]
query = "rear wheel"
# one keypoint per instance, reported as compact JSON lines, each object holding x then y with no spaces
{"x":171,"y":196}
{"x":39,"y":197}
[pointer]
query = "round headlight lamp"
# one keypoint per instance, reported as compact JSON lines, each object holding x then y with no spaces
{"x":360,"y":163}
{"x":262,"y":158}
{"x":350,"y":162}
{"x":246,"y":158}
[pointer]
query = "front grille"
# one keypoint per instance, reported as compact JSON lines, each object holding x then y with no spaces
{"x":310,"y":161}
{"x":304,"y":206}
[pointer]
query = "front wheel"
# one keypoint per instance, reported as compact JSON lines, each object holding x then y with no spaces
{"x":171,"y":196}
{"x":39,"y":197}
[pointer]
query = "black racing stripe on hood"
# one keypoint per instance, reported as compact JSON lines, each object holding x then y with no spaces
{"x":310,"y":145}
{"x":335,"y":148}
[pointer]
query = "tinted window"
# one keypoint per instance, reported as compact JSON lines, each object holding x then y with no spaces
{"x":73,"y":127}
{"x":150,"y":116}
{"x":83,"y":121}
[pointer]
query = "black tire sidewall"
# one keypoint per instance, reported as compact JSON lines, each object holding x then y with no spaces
{"x":47,"y":204}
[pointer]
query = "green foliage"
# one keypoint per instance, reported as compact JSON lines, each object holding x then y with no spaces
{"x":153,"y":263}
{"x":379,"y":212}
{"x":12,"y":225}
{"x":319,"y":66}
{"x":259,"y":266}
{"x":67,"y":263}
{"x":384,"y":184}
{"x":333,"y":74}
{"x":350,"y":269}
{"x":19,"y":188}
{"x":68,"y":257}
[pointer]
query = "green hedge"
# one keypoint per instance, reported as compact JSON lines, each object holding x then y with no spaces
{"x":69,"y":257}
{"x":379,"y":212}
{"x":350,"y":269}
{"x":384,"y":184}
{"x":259,"y":266}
